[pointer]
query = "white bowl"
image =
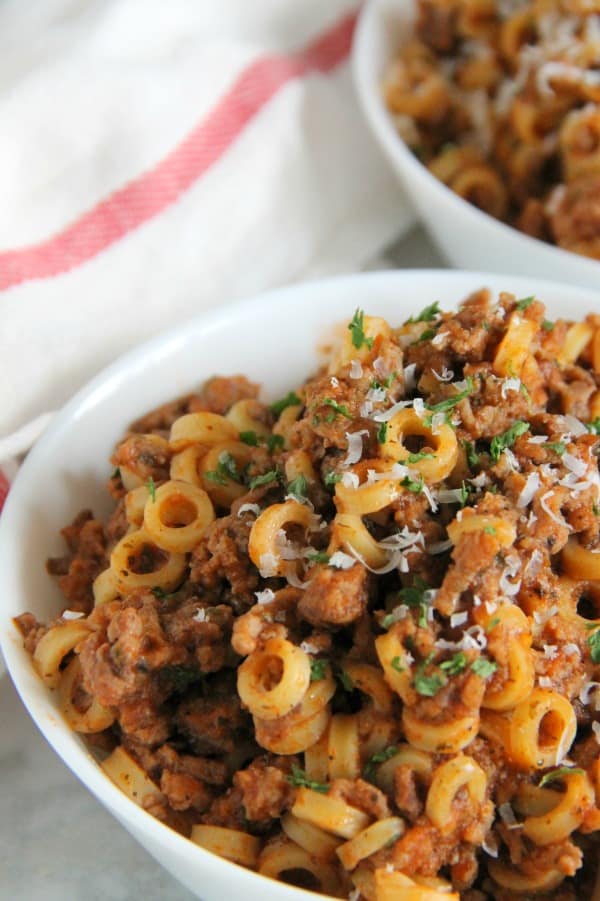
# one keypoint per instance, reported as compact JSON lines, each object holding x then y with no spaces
{"x":275,"y":339}
{"x":469,"y":238}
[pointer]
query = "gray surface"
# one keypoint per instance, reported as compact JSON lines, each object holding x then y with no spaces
{"x":56,"y":842}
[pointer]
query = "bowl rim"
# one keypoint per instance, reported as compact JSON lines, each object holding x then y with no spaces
{"x":398,"y":152}
{"x":41,"y":709}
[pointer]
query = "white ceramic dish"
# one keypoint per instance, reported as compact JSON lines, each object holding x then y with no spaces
{"x":274,"y":339}
{"x":469,"y":238}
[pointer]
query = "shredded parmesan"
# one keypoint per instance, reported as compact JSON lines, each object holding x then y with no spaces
{"x":530,"y":488}
{"x":596,"y":731}
{"x":409,"y":377}
{"x":267,"y":565}
{"x":512,"y":384}
{"x":446,"y":375}
{"x":350,"y":480}
{"x":340,"y":560}
{"x":356,"y":369}
{"x":459,"y":619}
{"x":72,"y":614}
{"x":200,"y":615}
{"x":355,"y":447}
{"x":248,"y":508}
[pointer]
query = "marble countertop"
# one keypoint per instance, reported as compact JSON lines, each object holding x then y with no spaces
{"x":55,"y":839}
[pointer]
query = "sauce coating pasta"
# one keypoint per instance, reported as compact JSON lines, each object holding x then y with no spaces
{"x":356,"y":646}
{"x":501,"y":101}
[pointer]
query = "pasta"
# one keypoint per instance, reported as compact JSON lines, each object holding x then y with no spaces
{"x":501,"y":101}
{"x":351,"y":639}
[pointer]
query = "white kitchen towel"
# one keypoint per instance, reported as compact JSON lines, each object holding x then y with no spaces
{"x":159,"y":158}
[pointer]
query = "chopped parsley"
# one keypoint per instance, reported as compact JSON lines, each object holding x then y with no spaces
{"x":357,"y":330}
{"x":492,"y":624}
{"x":427,"y":315}
{"x":507,"y":439}
{"x":377,"y":758}
{"x":250,"y":438}
{"x":332,"y":478}
{"x":226,"y":470}
{"x":428,"y":686}
{"x":337,"y":408}
{"x":421,"y":455}
{"x":396,"y":664}
{"x":345,"y":680}
{"x":318,"y":669}
{"x":275,"y":442}
{"x":483,"y":667}
{"x":524,"y":303}
{"x":594,"y":645}
{"x":559,"y":447}
{"x":465,"y":491}
{"x":594,"y":426}
{"x":412,"y":485}
{"x":455,"y":665}
{"x":595,"y":509}
{"x":265,"y":479}
{"x":489,"y":530}
{"x":450,"y":402}
{"x":547,"y":325}
{"x":151,"y":489}
{"x":290,"y":400}
{"x":116,"y":473}
{"x":558,"y":774}
{"x":382,"y":433}
{"x":426,"y":335}
{"x":159,"y":592}
{"x":298,"y":778}
{"x":415,"y":596}
{"x":472,"y":455}
{"x":318,"y":557}
{"x":298,"y":486}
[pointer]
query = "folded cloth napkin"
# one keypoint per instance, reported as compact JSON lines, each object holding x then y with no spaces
{"x":158,"y":159}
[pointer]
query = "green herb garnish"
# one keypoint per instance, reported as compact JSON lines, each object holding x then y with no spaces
{"x":116,"y":473}
{"x":332,"y":478}
{"x":337,"y":408}
{"x":412,"y":485}
{"x":265,"y":479}
{"x":299,"y":779}
{"x":382,"y":433}
{"x":450,"y":402}
{"x":547,"y":325}
{"x":426,"y":315}
{"x":318,"y":557}
{"x":483,"y":667}
{"x":428,"y":686}
{"x":559,"y":447}
{"x":415,"y":596}
{"x":397,"y":664}
{"x":346,"y":681}
{"x":507,"y":439}
{"x":472,"y":455}
{"x":151,"y":489}
{"x":455,"y":665}
{"x":290,"y":400}
{"x":298,"y":486}
{"x":594,"y":646}
{"x":594,"y":426}
{"x":559,"y":773}
{"x":250,"y":438}
{"x":377,"y":758}
{"x":524,"y":303}
{"x":421,"y":455}
{"x":318,"y":669}
{"x":226,"y":470}
{"x":356,"y":328}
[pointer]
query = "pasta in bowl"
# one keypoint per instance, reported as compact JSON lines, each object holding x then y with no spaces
{"x":489,"y":114}
{"x":342,"y":634}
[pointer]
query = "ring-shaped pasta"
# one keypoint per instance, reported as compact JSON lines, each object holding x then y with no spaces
{"x":394,"y":660}
{"x":129,"y":777}
{"x":96,"y":718}
{"x":343,"y":749}
{"x":483,"y":187}
{"x":314,"y":840}
{"x":203,"y":428}
{"x":178,"y":515}
{"x":249,"y":415}
{"x":221,"y":488}
{"x":516,"y":880}
{"x":167,"y":572}
{"x":448,"y":779}
{"x":283,"y":856}
{"x":420,"y":762}
{"x":470,"y":522}
{"x":566,"y":816}
{"x":277,"y":736}
{"x":104,"y":587}
{"x":232,"y":844}
{"x":372,"y":839}
{"x":580,"y":563}
{"x":369,"y":680}
{"x":316,"y":761}
{"x":54,"y":646}
{"x":391,"y":885}
{"x":375,"y":330}
{"x":576,"y":340}
{"x":286,"y":420}
{"x":329,"y":813}
{"x":349,"y":532}
{"x":274,"y":680}
{"x":513,"y":630}
{"x":449,"y":737}
{"x":541,"y":730}
{"x":262,"y":543}
{"x":135,"y":501}
{"x":442,"y":441}
{"x":368,"y":497}
{"x":515,"y":346}
{"x":299,"y":464}
{"x":185,"y":464}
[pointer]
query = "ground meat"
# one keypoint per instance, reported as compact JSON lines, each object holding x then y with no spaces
{"x":142,"y":721}
{"x":407,"y":797}
{"x":183,"y":791}
{"x":86,"y":559}
{"x":117,"y":524}
{"x":147,"y":456}
{"x":31,"y":630}
{"x":335,"y":597}
{"x":212,"y":725}
{"x":227,"y":811}
{"x":363,"y":795}
{"x":266,"y":792}
{"x":220,"y":560}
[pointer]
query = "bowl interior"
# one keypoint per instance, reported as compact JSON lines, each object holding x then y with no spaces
{"x":277,"y":340}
